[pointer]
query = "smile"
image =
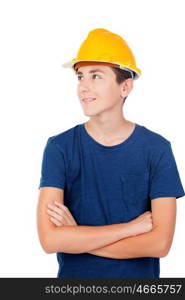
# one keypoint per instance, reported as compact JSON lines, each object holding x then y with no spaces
{"x":88,"y":100}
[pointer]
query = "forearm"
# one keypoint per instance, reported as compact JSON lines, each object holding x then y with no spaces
{"x":148,"y":244}
{"x":80,"y":239}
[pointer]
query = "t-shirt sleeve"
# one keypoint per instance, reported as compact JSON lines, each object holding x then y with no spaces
{"x":53,"y":172}
{"x":165,"y":179}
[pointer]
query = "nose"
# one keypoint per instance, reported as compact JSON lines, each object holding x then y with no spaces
{"x":83,"y":86}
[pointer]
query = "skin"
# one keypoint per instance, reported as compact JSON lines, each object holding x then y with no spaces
{"x":155,"y":242}
{"x":106,"y":123}
{"x":81,"y":239}
{"x":108,"y":126}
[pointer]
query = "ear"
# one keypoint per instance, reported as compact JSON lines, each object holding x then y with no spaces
{"x":126,"y":87}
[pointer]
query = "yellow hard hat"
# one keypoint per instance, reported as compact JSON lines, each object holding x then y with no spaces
{"x":102,"y":45}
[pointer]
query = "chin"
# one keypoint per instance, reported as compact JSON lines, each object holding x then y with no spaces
{"x":90,"y":114}
{"x":93,"y":112}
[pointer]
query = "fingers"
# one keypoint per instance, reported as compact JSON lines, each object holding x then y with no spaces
{"x":61,"y":213}
{"x":56,"y":209}
{"x":56,"y":222}
{"x":57,"y":213}
{"x":66,"y":210}
{"x":57,"y":216}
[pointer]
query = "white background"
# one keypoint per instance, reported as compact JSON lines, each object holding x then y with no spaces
{"x":38,"y":100}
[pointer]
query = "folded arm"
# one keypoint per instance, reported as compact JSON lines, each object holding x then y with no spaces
{"x":125,"y":240}
{"x":79,"y":239}
{"x":155,"y":243}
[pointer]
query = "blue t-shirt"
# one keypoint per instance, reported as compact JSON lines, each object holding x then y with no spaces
{"x":106,"y":185}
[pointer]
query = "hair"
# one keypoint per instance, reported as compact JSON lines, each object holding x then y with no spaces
{"x":122,"y":75}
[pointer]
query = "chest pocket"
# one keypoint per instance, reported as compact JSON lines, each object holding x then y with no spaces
{"x":135,"y":188}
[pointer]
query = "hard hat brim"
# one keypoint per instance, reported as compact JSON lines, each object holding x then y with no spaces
{"x":71,"y":63}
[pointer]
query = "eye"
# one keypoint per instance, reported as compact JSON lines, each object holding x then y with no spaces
{"x":96,"y":75}
{"x":79,"y":77}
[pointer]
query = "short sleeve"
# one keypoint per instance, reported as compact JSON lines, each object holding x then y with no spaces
{"x":53,"y":172}
{"x":165,"y":179}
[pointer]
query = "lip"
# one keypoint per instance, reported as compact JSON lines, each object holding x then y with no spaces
{"x":88,"y":100}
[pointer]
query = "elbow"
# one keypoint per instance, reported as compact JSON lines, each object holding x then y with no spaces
{"x":47,"y":249}
{"x":163,"y":253}
{"x":164,"y":249}
{"x":46,"y":245}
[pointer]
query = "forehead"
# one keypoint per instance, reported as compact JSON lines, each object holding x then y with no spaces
{"x":93,"y":69}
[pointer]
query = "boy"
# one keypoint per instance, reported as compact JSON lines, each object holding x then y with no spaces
{"x":118,"y":180}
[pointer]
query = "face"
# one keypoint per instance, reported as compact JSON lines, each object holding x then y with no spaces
{"x":98,"y":90}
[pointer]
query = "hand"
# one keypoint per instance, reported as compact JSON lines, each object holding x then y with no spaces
{"x":141,"y":224}
{"x":60,"y":214}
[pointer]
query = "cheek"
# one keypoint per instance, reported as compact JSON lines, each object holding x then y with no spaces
{"x":78,"y":90}
{"x":110,"y":93}
{"x":104,"y":90}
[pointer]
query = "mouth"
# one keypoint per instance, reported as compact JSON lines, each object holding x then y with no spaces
{"x":88,"y":100}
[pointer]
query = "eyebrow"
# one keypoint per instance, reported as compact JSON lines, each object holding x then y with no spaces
{"x":92,"y":71}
